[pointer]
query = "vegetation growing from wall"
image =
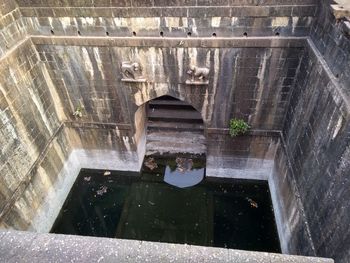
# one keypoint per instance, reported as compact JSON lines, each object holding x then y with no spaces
{"x":78,"y":111}
{"x":238,"y":127}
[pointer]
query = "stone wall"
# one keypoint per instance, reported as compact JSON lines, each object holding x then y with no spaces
{"x":172,"y":18}
{"x":32,"y":148}
{"x":254,"y":83}
{"x":70,"y":58}
{"x":12,"y":28}
{"x":246,"y":157}
{"x":331,"y":37}
{"x":316,"y":134}
{"x":315,"y":159}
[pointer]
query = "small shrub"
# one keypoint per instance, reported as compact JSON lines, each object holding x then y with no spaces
{"x":238,"y":127}
{"x":78,"y":111}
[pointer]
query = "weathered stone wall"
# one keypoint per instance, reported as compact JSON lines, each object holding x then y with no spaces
{"x":173,"y":18}
{"x":250,"y":156}
{"x":317,"y":140}
{"x":290,"y":217}
{"x":254,"y":83}
{"x":12,"y":28}
{"x":314,"y":162}
{"x":332,"y":39}
{"x":33,"y":149}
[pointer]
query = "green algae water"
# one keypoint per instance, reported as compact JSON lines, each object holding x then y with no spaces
{"x":215,"y":212}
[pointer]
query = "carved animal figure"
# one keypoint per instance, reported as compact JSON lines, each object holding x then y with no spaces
{"x":131,"y":70}
{"x":198,"y":74}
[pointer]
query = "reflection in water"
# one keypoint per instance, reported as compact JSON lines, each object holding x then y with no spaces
{"x":185,"y":175}
{"x":221,"y":212}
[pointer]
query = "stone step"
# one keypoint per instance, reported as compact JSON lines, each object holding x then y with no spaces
{"x":168,"y":103}
{"x":175,"y":115}
{"x":175,"y":135}
{"x":173,"y":126}
{"x":175,"y":142}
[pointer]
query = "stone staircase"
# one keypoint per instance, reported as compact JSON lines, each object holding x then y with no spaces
{"x":174,"y":126}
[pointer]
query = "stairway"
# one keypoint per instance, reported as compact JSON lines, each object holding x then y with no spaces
{"x":168,"y":113}
{"x":174,"y":126}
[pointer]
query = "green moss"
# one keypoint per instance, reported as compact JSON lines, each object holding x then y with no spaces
{"x":238,"y":127}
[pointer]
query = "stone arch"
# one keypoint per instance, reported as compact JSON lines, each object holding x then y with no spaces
{"x":141,"y":98}
{"x":140,"y":116}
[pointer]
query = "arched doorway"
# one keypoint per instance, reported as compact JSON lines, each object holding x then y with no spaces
{"x":173,"y":126}
{"x":173,"y":141}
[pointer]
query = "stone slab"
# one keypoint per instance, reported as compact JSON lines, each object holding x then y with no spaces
{"x":32,"y":247}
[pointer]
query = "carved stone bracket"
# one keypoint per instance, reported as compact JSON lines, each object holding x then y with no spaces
{"x":198,"y":76}
{"x":132,"y":72}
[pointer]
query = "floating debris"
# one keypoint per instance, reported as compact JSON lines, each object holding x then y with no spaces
{"x":106,"y":173}
{"x":87,"y":178}
{"x":151,"y":164}
{"x":151,"y":203}
{"x":102,"y":190}
{"x":184,"y":164}
{"x":252,"y":202}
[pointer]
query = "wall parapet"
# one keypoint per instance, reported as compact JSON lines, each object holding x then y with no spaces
{"x":17,"y":245}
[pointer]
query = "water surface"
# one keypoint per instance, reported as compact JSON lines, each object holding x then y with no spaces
{"x":216,"y":212}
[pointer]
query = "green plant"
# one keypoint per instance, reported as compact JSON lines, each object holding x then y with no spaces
{"x":238,"y":127}
{"x":78,"y":111}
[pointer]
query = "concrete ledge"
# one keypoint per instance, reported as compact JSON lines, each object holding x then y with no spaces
{"x":18,"y":246}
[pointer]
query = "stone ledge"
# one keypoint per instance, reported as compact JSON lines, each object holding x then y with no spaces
{"x":19,"y":246}
{"x":97,"y":125}
{"x":253,"y":132}
{"x":200,"y":42}
{"x":300,"y":10}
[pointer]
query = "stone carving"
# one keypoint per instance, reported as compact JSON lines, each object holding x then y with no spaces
{"x":132,"y":72}
{"x":198,"y":76}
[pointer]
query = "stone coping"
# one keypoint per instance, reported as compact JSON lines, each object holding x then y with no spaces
{"x":16,"y":246}
{"x":159,"y":3}
{"x":175,"y":42}
{"x":300,"y":10}
{"x":253,"y":132}
{"x":170,"y":42}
